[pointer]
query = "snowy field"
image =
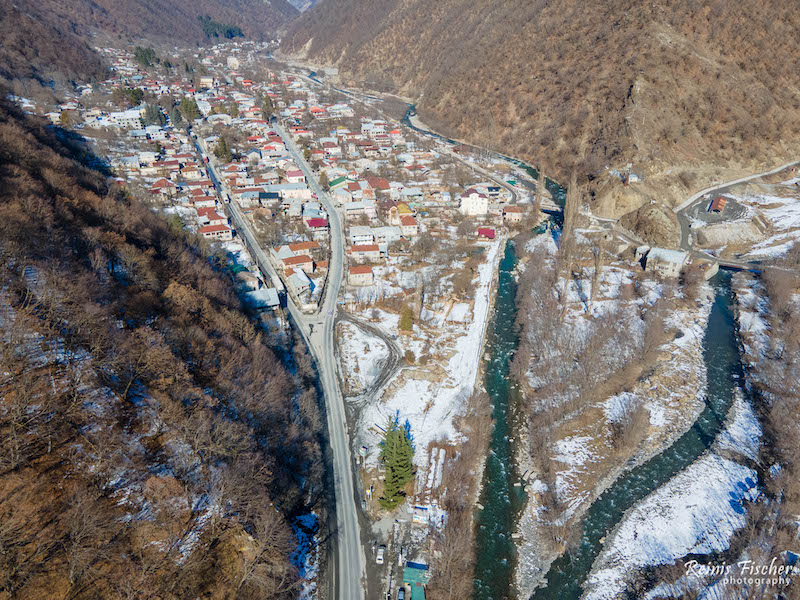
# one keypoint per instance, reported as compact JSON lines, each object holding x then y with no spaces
{"x":696,"y":512}
{"x":361,"y":357}
{"x":431,"y":395}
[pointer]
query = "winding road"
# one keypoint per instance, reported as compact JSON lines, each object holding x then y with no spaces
{"x":392,"y":363}
{"x":683,"y":218}
{"x":348,"y":580}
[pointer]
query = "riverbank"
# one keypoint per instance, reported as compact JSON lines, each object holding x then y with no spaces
{"x":499,"y":498}
{"x":622,"y":499}
{"x":696,"y":512}
{"x":586,"y":459}
{"x":707,"y":503}
{"x":671,"y":414}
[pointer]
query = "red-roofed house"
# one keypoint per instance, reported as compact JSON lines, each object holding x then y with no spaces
{"x":203,"y":202}
{"x":317,"y":223}
{"x":360,"y":275}
{"x":295,"y":176}
{"x":485,"y":233}
{"x":164,"y":187}
{"x":216,"y":232}
{"x":378,"y":183}
{"x":302,"y":261}
{"x":365,"y":253}
{"x":304,"y":246}
{"x":408,"y":225}
{"x":318,"y":227}
{"x":512,"y":214}
{"x":211,"y":217}
{"x":718,"y":204}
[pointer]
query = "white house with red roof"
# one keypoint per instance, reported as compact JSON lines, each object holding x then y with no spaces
{"x":473,"y":203}
{"x":360,"y":275}
{"x":220,"y":233}
{"x":295,"y":176}
{"x":209,"y":216}
{"x":164,"y":187}
{"x":408,"y":225}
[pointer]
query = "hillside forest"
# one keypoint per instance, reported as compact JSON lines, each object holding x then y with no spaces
{"x":153,"y":443}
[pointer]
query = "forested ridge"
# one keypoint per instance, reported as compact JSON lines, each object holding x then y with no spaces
{"x":38,"y":50}
{"x":51,"y":40}
{"x":684,"y":89}
{"x":153,"y":445}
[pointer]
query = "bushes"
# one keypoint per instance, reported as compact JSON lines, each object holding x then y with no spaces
{"x":138,"y":394}
{"x":406,"y":319}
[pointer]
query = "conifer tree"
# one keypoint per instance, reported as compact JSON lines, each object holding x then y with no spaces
{"x":397,"y":453}
{"x":267,"y":108}
{"x":222,"y":151}
{"x":189,"y":109}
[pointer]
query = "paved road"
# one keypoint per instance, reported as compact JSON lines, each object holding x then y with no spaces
{"x":347,"y":580}
{"x":682,"y":208}
{"x":350,"y":581}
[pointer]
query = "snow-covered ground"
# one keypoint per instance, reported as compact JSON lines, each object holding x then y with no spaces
{"x":696,"y":512}
{"x":306,"y":556}
{"x":585,"y":459}
{"x":781,"y":212}
{"x":361,"y":356}
{"x":751,"y":309}
{"x":431,"y":395}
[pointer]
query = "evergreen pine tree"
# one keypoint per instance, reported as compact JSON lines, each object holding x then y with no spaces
{"x":189,"y":109}
{"x":397,"y":453}
{"x":175,"y":117}
{"x":222,"y":151}
{"x":267,"y":108}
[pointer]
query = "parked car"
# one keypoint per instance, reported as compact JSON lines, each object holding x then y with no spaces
{"x":401,"y":593}
{"x":381,"y":554}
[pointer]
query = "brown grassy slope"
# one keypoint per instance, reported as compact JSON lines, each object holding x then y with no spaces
{"x":135,"y":397}
{"x":174,"y":20}
{"x":46,"y":40}
{"x":676,"y":84}
{"x":36,"y":50}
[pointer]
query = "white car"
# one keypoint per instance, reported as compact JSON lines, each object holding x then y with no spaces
{"x":381,"y":554}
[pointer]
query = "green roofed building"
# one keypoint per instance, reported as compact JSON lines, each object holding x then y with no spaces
{"x":337,"y":183}
{"x":415,"y":577}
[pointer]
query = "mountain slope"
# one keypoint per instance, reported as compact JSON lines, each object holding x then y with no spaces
{"x":47,"y":40}
{"x":683,"y":89}
{"x":147,"y":432}
{"x":42,"y":51}
{"x":169,"y":20}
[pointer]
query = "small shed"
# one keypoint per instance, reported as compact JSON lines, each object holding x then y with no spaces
{"x":717,"y":204}
{"x":415,"y":576}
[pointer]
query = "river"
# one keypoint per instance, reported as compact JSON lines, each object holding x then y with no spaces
{"x":502,"y":501}
{"x":724,"y":373}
